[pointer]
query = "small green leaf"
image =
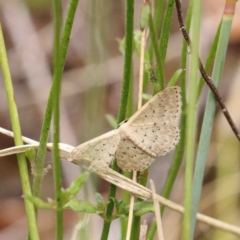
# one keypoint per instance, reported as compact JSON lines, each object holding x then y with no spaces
{"x":99,"y":198}
{"x":141,"y":208}
{"x":118,"y":204}
{"x":101,"y":205}
{"x":175,"y":77}
{"x":100,"y":212}
{"x":146,"y":96}
{"x":121,"y":45}
{"x":111,"y":120}
{"x":75,"y":187}
{"x":30,"y":154}
{"x":39,"y":203}
{"x":80,"y":206}
{"x":144,"y":17}
{"x":137,"y":41}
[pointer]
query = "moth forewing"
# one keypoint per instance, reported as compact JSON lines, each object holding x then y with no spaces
{"x":154,"y":128}
{"x":96,"y":154}
{"x":130,"y":157}
{"x":168,"y":100}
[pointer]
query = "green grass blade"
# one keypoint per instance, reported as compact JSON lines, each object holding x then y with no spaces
{"x":165,"y":31}
{"x":208,"y":117}
{"x":125,"y":195}
{"x":191,"y":119}
{"x":210,"y":60}
{"x":157,"y":23}
{"x":175,"y":77}
{"x":159,"y":69}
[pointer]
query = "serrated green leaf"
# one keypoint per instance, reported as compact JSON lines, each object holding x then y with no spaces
{"x":80,"y":206}
{"x":30,"y":154}
{"x":75,"y":187}
{"x":175,"y":77}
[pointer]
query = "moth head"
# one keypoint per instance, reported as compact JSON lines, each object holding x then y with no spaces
{"x":125,"y":121}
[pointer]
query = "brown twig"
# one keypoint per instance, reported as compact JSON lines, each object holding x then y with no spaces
{"x":205,"y":76}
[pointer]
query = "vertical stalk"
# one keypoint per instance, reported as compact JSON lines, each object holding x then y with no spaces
{"x":57,"y":172}
{"x":159,"y":69}
{"x":37,"y":180}
{"x":123,"y":104}
{"x":165,"y":31}
{"x":23,"y":170}
{"x":191,"y":119}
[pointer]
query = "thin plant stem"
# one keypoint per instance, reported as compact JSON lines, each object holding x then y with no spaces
{"x":123,"y":104}
{"x":127,"y":60}
{"x":191,"y":119}
{"x":131,"y":206}
{"x":157,"y":211}
{"x":135,"y":222}
{"x":143,"y":230}
{"x":159,"y":70}
{"x":23,"y":170}
{"x":165,"y":31}
{"x":142,"y":179}
{"x":37,"y":180}
{"x":157,"y":22}
{"x":57,"y":171}
{"x":157,"y":16}
{"x":141,"y":69}
{"x":125,"y":194}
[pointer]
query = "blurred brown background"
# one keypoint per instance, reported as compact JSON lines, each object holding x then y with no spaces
{"x":91,"y":88}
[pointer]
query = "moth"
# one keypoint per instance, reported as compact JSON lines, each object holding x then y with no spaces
{"x":152,"y":131}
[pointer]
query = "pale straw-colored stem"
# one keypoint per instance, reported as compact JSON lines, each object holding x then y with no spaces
{"x":131,"y":206}
{"x":143,"y":231}
{"x":134,"y":178}
{"x":157,"y":211}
